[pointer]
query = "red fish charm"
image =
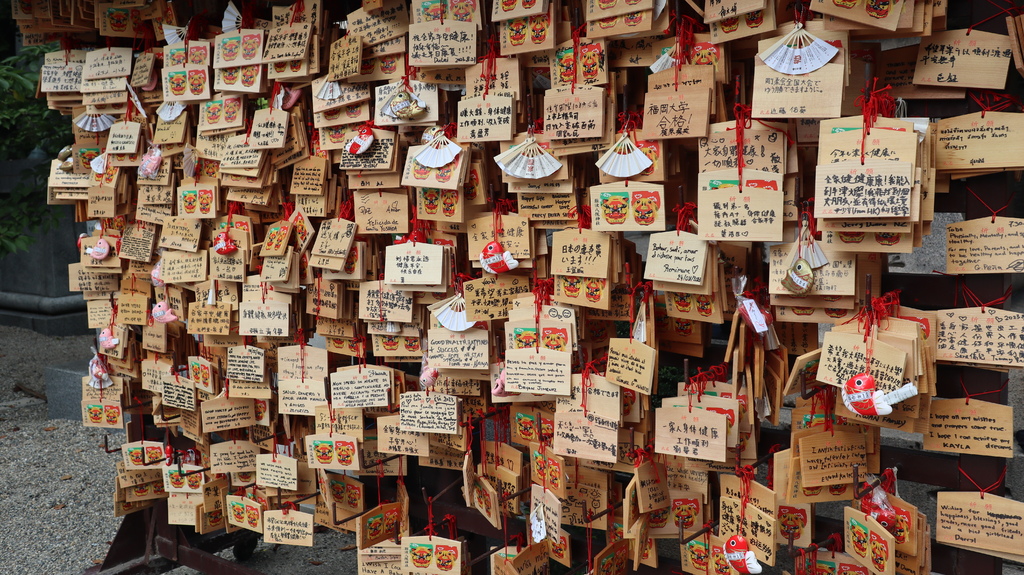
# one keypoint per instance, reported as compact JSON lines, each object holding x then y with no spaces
{"x":739,"y":555}
{"x":862,"y":396}
{"x":496,"y":260}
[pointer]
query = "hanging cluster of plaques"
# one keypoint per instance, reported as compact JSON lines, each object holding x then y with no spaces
{"x":480,"y":236}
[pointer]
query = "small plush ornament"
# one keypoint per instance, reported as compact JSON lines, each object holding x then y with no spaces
{"x":428,"y":375}
{"x":799,"y":277}
{"x":156,"y":273}
{"x":107,"y":339}
{"x":100,"y":251}
{"x":861,"y":396}
{"x":739,"y":555}
{"x":362,"y":141}
{"x":149,"y":167}
{"x":163,"y":313}
{"x":498,"y":389}
{"x":224,"y":245}
{"x":495,"y":259}
{"x":99,"y":377}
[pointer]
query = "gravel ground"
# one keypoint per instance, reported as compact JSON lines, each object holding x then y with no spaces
{"x":55,"y":481}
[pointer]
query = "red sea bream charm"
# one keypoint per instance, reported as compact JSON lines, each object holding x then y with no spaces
{"x":862,"y":396}
{"x":739,"y":555}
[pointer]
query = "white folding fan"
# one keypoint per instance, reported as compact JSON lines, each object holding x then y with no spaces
{"x":169,"y":111}
{"x":188,"y":161}
{"x":798,"y":52}
{"x":173,"y":34}
{"x":624,"y":159}
{"x":232,"y":19}
{"x":665,"y":61}
{"x":94,"y":122}
{"x":451,"y":313}
{"x":527,"y":160}
{"x":99,"y":164}
{"x":440,"y":151}
{"x":329,"y":90}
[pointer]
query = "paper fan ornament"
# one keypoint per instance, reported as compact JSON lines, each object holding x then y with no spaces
{"x":624,"y":159}
{"x":188,"y":161}
{"x":232,"y":19}
{"x":94,"y":122}
{"x":439,"y":151}
{"x":527,"y":160}
{"x":99,"y":164}
{"x":169,"y":111}
{"x":665,"y":61}
{"x":798,"y":52}
{"x":451,"y":313}
{"x":173,"y":34}
{"x":329,"y":91}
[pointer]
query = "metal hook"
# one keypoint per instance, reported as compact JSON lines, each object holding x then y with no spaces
{"x":489,"y":552}
{"x":203,"y":470}
{"x":509,"y":496}
{"x":334,"y":515}
{"x":804,"y":393}
{"x":709,"y":526}
{"x":449,"y":487}
{"x":591,"y":516}
{"x":857,"y":492}
{"x":106,"y":445}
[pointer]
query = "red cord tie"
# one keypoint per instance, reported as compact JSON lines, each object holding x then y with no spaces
{"x":877,"y":102}
{"x":968,"y":395}
{"x":983,"y":490}
{"x":686,"y":214}
{"x":984,"y":203}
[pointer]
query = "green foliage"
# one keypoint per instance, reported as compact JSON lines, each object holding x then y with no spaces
{"x":25,"y":121}
{"x":25,"y":124}
{"x":23,"y":210}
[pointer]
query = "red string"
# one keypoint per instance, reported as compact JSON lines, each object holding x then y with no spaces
{"x":583,"y":215}
{"x":991,"y":101}
{"x":685,"y":215}
{"x":746,"y":475}
{"x":983,"y":490}
{"x":877,"y":102}
{"x":298,"y":8}
{"x":824,"y":402}
{"x":590,"y":368}
{"x":430,"y":517}
{"x":988,"y":207}
{"x":488,"y":72}
{"x":742,"y":114}
{"x":771,"y":467}
{"x":577,"y":33}
{"x":1012,"y":10}
{"x":645,"y":289}
{"x":968,"y":395}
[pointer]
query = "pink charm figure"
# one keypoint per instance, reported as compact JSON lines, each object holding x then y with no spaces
{"x":163,"y":313}
{"x":498,"y":389}
{"x":107,"y":339}
{"x":100,"y":251}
